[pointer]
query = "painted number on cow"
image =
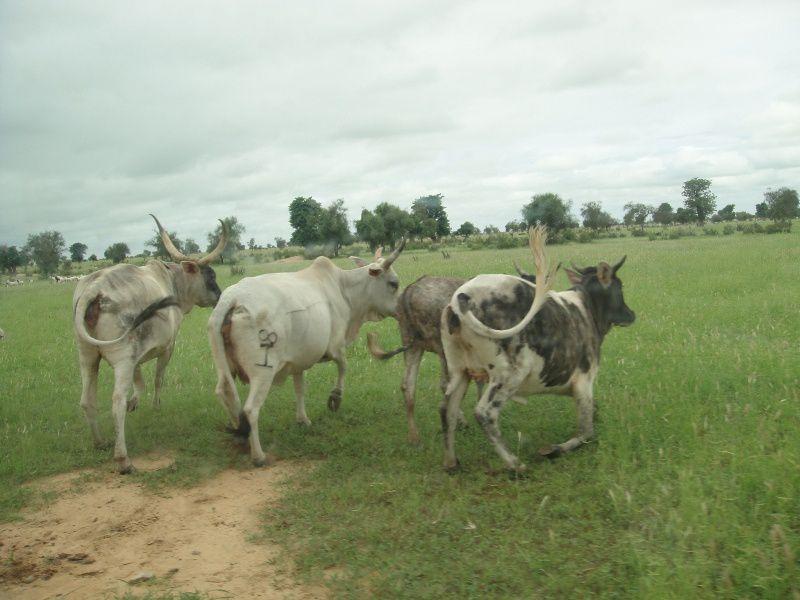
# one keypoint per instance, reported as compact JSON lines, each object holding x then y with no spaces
{"x":267,"y":341}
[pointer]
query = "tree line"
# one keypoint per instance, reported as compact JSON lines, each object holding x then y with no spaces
{"x":328,"y":226}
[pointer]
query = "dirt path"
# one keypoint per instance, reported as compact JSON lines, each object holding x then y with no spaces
{"x":93,"y":542}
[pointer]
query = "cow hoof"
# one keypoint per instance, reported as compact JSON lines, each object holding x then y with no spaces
{"x":126,"y":469}
{"x":334,"y":400}
{"x":552,"y":451}
{"x":133,"y":404}
{"x":262,"y":462}
{"x":518,"y":470}
{"x":454,"y":468}
{"x":304,"y":423}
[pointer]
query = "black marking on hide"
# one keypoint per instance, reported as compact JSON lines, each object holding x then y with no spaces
{"x":267,"y":341}
{"x":453,"y":322}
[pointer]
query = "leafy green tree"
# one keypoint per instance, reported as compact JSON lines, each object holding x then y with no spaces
{"x":190,"y":246}
{"x":699,"y":198}
{"x":46,"y":249}
{"x":726,"y":213}
{"x":550,"y":210}
{"x":77,"y":251}
{"x":782,"y":204}
{"x":594,"y":217}
{"x":685,"y":215}
{"x":664,"y":215}
{"x":636,"y":213}
{"x":251,"y":244}
{"x":466,"y":229}
{"x":489,"y":229}
{"x":761,"y":210}
{"x":159,"y":250}
{"x":513,"y":226}
{"x":280,"y":242}
{"x":235,"y":232}
{"x":333,"y":226}
{"x":430,"y":217}
{"x":385,"y":226}
{"x":305,"y":215}
{"x":10,"y":259}
{"x":93,"y":257}
{"x":117,"y":252}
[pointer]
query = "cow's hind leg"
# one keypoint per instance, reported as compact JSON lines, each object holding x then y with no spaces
{"x":161,"y":365}
{"x":584,"y":405}
{"x":448,"y":412}
{"x":90,"y":365}
{"x":300,"y":400}
{"x":487,"y":413}
{"x":123,"y":378}
{"x":443,"y":378}
{"x":335,"y":399}
{"x":412,"y":357}
{"x":138,"y":389}
{"x":259,"y":388}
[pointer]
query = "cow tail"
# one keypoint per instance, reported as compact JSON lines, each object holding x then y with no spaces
{"x":79,"y":321}
{"x":219,"y":355}
{"x":378,"y":352}
{"x":544,"y":279}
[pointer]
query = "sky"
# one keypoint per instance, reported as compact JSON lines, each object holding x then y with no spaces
{"x":199,"y":110}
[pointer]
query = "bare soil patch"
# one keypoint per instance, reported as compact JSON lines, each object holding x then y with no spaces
{"x":95,"y":538}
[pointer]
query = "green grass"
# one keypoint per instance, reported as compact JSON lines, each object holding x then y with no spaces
{"x":692,"y":488}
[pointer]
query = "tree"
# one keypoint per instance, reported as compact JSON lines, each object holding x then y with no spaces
{"x":191,"y":247}
{"x":10,"y":259}
{"x":383,"y":227}
{"x":761,"y":210}
{"x":664,"y":215}
{"x":46,"y":249}
{"x":637,"y":213}
{"x":430,"y":217}
{"x":550,"y":210}
{"x":305,"y":215}
{"x":594,"y":217}
{"x":117,"y":252}
{"x":280,"y":242}
{"x":684,"y":215}
{"x":333,"y":226}
{"x":699,"y":198}
{"x":77,"y":251}
{"x":726,"y":213}
{"x":466,"y":229}
{"x":93,"y":257}
{"x":235,"y":232}
{"x":159,"y":250}
{"x":782,"y":204}
{"x":489,"y":229}
{"x":251,"y":244}
{"x":513,"y":226}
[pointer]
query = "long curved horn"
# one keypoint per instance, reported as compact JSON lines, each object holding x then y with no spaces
{"x":523,"y":274}
{"x":393,"y":256}
{"x":223,"y":241}
{"x":176,"y":254}
{"x":577,"y":269}
{"x":616,"y":267}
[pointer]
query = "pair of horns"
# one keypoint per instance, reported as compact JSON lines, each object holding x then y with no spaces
{"x":387,"y":262}
{"x":614,"y":269}
{"x":178,"y":256}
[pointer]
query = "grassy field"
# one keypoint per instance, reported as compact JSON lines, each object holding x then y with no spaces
{"x":692,"y":489}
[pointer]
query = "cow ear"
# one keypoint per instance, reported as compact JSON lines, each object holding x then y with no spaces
{"x":360,"y":262}
{"x":378,"y":252}
{"x":190,"y":267}
{"x":604,"y":273}
{"x":574,"y":277}
{"x":375,"y":271}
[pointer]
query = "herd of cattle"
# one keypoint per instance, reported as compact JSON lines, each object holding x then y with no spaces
{"x":512,"y":335}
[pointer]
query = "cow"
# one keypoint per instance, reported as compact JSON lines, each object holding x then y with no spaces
{"x":268,"y":327}
{"x":489,"y":331}
{"x":419,"y":313}
{"x":129,"y":315}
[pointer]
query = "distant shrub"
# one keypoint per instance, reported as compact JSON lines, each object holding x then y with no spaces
{"x":638,"y":233}
{"x":779,"y":227}
{"x":315,"y":250}
{"x":237,"y":269}
{"x":710,"y":231}
{"x":729,"y":230}
{"x":675,"y":234}
{"x":753,"y":228}
{"x":652,"y":237}
{"x":586,"y":236}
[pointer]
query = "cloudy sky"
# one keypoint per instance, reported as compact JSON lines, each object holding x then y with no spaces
{"x":198,"y":110}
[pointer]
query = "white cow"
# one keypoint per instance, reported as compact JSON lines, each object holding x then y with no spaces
{"x":129,"y":315}
{"x":266,"y":328}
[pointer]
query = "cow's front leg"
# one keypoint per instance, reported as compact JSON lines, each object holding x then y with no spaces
{"x":138,"y":389}
{"x":300,"y":401}
{"x":443,"y":379}
{"x":161,"y":365}
{"x":449,"y":410}
{"x":584,"y":405}
{"x":123,"y":377}
{"x":335,"y":399}
{"x":487,"y":413}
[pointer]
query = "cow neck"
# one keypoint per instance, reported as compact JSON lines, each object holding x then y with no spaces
{"x":179,"y":285}
{"x":599,"y":316}
{"x":353,"y":284}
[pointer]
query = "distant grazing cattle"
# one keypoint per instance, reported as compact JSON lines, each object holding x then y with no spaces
{"x":524,"y":339}
{"x":268,"y":327}
{"x":129,"y":315}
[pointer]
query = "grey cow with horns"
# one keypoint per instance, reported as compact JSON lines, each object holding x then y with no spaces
{"x":525,"y":339}
{"x":129,"y":315}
